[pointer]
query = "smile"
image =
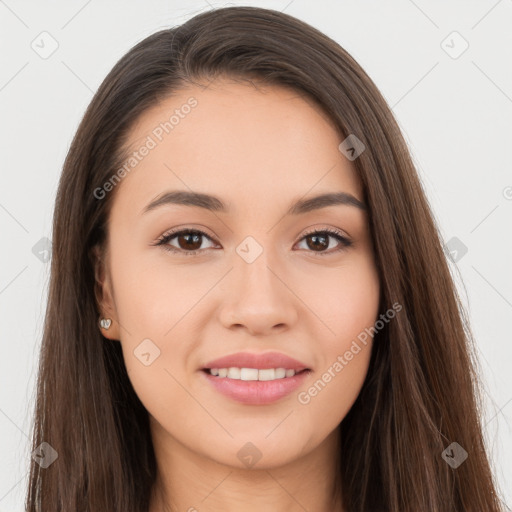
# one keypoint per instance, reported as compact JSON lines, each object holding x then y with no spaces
{"x":264,"y":374}
{"x":239,"y":384}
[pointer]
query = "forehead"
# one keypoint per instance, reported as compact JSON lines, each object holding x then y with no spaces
{"x":236,"y":140}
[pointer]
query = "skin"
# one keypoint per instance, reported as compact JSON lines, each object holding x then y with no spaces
{"x":259,"y":149}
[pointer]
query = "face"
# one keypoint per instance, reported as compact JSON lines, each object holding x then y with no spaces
{"x":247,"y":275}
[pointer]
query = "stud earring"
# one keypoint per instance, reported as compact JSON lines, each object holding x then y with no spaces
{"x":105,"y":323}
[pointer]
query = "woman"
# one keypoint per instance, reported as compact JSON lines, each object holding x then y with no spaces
{"x":250,"y":307}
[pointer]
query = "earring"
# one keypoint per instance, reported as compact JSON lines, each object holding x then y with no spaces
{"x":105,"y":323}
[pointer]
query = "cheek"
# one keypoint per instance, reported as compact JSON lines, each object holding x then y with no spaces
{"x":348,"y":307}
{"x":153,"y":294}
{"x":160,"y":305}
{"x":345,"y":300}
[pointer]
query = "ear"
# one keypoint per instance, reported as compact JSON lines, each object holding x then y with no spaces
{"x":103,"y":293}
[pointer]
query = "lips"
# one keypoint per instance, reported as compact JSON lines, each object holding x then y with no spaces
{"x":292,"y":374}
{"x":256,"y":392}
{"x":259,"y":361}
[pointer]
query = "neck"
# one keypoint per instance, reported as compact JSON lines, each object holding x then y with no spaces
{"x":190,"y":482}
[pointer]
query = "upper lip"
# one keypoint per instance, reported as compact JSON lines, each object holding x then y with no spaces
{"x":259,"y":361}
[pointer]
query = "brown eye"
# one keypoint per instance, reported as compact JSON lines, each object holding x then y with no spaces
{"x":319,"y":241}
{"x":187,"y":241}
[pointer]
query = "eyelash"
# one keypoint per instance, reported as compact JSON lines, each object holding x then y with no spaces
{"x":163,"y":241}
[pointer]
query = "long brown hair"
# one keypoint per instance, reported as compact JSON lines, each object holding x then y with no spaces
{"x":421,"y":392}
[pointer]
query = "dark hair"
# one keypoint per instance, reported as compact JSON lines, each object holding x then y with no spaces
{"x":421,"y":392}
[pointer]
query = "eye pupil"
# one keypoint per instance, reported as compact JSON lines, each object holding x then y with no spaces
{"x":314,"y":245}
{"x":186,"y":236}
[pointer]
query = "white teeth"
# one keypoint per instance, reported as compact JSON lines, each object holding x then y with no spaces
{"x":234,"y":373}
{"x":252,"y":373}
{"x":281,"y":373}
{"x":267,"y":374}
{"x":248,"y":374}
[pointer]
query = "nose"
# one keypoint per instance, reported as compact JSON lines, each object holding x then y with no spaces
{"x":257,"y":298}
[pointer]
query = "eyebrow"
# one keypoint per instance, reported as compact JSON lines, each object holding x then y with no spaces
{"x":214,"y":204}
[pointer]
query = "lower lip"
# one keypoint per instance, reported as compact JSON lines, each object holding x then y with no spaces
{"x":255,"y":392}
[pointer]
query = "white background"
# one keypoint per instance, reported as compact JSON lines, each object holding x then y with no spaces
{"x":455,"y":114}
